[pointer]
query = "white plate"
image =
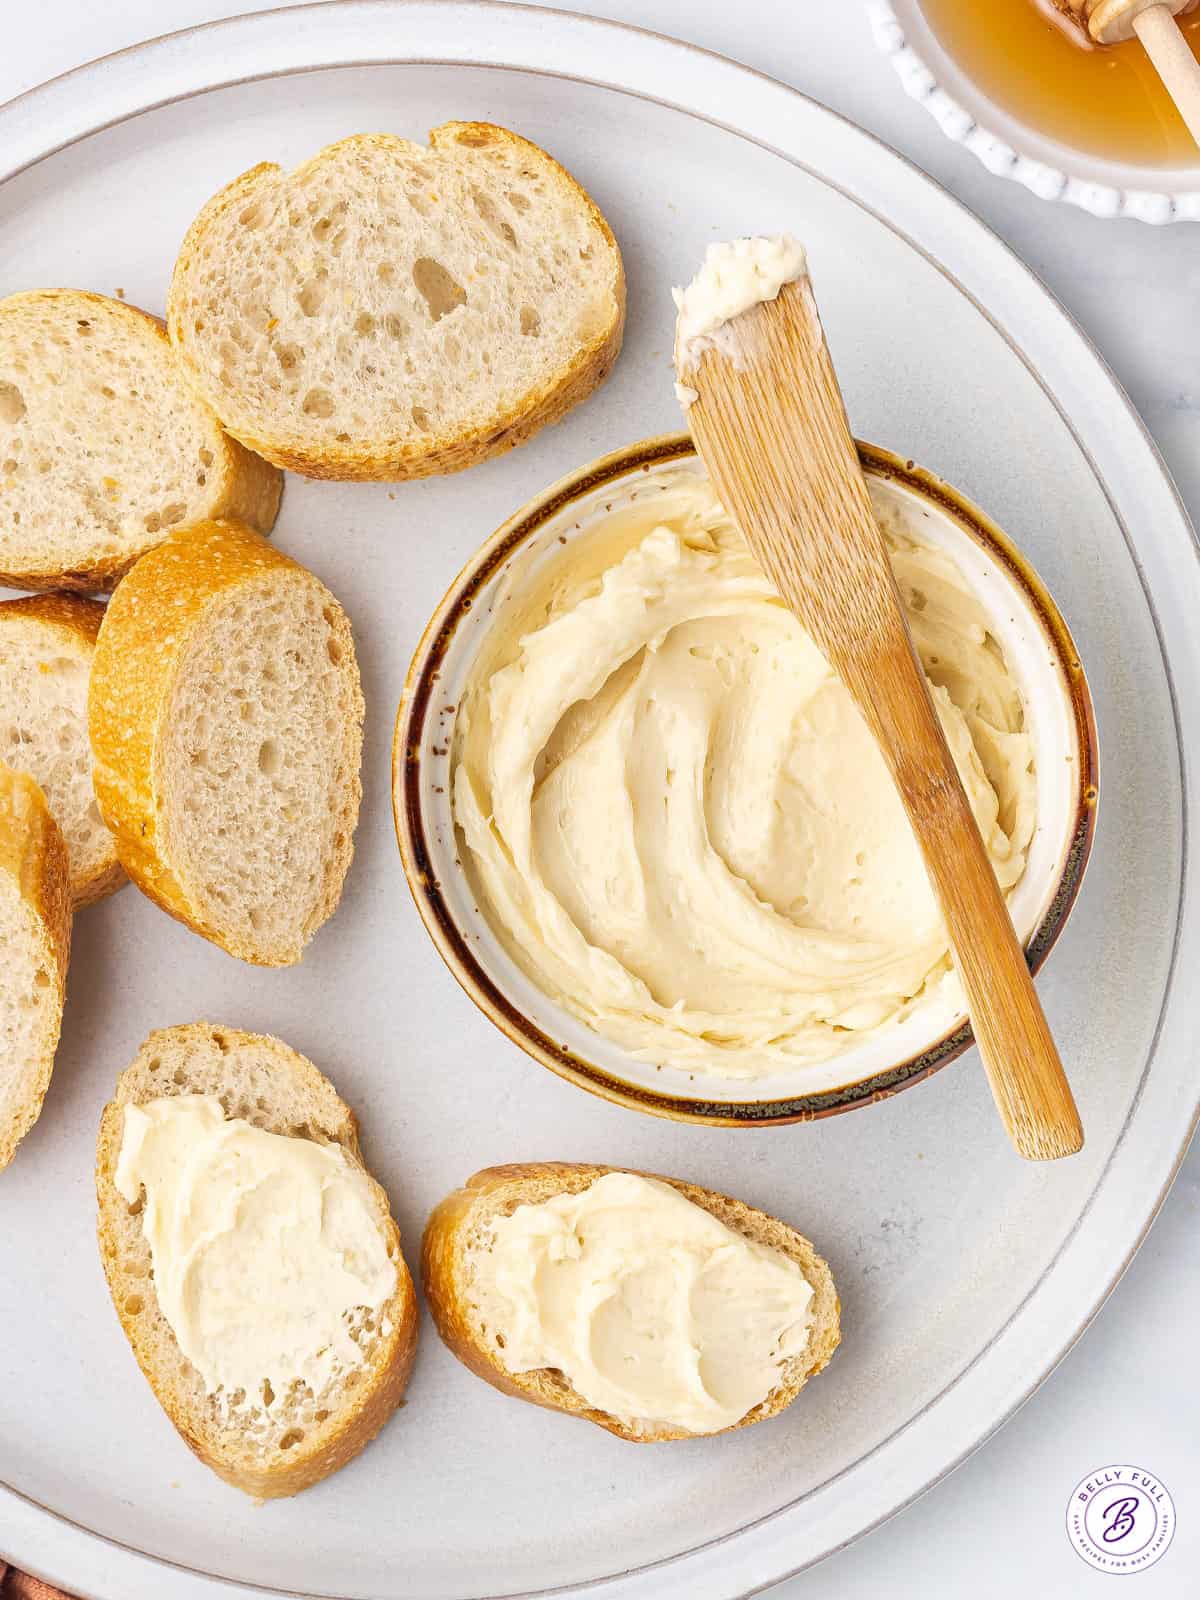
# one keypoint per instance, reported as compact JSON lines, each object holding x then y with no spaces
{"x":964,"y":1274}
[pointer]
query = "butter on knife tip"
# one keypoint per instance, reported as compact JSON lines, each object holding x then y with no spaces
{"x":734,"y":275}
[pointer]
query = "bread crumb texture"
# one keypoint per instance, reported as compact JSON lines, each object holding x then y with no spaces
{"x":46,"y":645}
{"x":103,"y":447}
{"x":390,"y":310}
{"x":35,"y":947}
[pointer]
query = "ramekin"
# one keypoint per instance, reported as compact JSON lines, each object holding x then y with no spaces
{"x":1040,"y":651}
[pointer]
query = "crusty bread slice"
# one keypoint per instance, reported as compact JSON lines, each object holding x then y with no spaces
{"x":103,"y":446}
{"x":46,"y":646}
{"x":301,"y":1437}
{"x":456,"y":1237}
{"x":389,"y":310}
{"x":35,"y":947}
{"x":226,"y":726}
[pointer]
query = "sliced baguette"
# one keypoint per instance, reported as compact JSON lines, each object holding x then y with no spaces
{"x":300,"y":1438}
{"x":458,"y":1230}
{"x":225,"y":716}
{"x":35,"y":947}
{"x":46,"y":647}
{"x":390,"y":311}
{"x":103,"y":446}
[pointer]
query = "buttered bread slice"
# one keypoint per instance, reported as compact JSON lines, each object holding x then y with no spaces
{"x":225,"y":716}
{"x":654,"y":1308}
{"x":390,"y":310}
{"x":252,"y":1259}
{"x":103,"y":447}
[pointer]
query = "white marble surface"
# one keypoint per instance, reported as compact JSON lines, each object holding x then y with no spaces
{"x":1128,"y":1391}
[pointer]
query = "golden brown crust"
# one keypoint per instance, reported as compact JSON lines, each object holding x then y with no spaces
{"x":82,"y":618}
{"x":100,"y":885}
{"x":34,"y":853}
{"x":142,"y":642}
{"x":502,"y":1189}
{"x":331,"y":1445}
{"x":69,"y":611}
{"x":399,"y":458}
{"x":248,"y":489}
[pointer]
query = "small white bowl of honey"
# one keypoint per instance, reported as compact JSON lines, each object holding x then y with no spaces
{"x":1023,"y":88}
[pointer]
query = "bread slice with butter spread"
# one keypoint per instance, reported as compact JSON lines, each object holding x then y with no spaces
{"x":458,"y":1268}
{"x":278,"y":1438}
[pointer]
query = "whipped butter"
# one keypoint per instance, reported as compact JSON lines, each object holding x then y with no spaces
{"x":262,"y":1244}
{"x":733,"y":276}
{"x":655,"y":1310}
{"x":674,"y":814}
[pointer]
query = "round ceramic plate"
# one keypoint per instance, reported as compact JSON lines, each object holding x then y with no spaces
{"x":964,"y":1274}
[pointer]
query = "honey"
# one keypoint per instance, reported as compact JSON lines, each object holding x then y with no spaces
{"x":1108,"y":101}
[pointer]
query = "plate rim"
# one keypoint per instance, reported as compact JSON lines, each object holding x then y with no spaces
{"x":196,"y":59}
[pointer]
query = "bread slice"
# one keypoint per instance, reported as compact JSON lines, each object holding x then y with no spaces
{"x":457,"y":1233}
{"x":46,"y":645}
{"x":301,"y":1437}
{"x":226,"y":726}
{"x":103,"y":447}
{"x":390,"y":311}
{"x":35,"y":947}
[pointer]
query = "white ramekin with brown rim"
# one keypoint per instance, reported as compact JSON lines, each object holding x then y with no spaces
{"x":1038,"y":648}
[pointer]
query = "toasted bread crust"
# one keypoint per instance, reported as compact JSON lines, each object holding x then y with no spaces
{"x":34,"y":852}
{"x":397,"y":458}
{"x":81,"y":618}
{"x":386,"y":1374}
{"x":142,"y":641}
{"x":502,"y":1189}
{"x":246,"y":488}
{"x":69,"y":611}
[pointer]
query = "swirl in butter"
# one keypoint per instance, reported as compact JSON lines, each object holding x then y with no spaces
{"x":263,"y":1245}
{"x":654,"y":1309}
{"x":677,"y":819}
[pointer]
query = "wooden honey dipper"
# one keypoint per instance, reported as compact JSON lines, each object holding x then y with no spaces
{"x":1153,"y":23}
